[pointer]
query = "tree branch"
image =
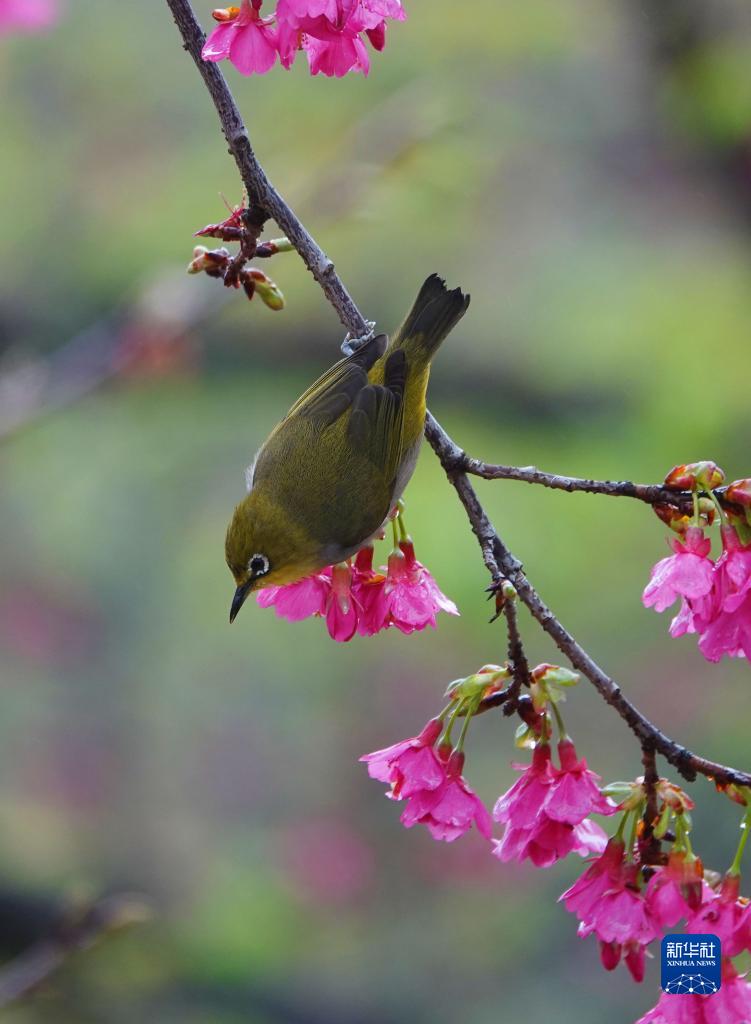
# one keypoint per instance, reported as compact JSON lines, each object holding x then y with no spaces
{"x":497,"y":557}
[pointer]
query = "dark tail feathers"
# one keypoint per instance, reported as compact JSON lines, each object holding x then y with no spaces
{"x":435,"y":312}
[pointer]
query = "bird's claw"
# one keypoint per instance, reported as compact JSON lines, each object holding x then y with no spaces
{"x":350,"y":345}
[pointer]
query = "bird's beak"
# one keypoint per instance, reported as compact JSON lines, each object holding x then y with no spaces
{"x":239,"y":599}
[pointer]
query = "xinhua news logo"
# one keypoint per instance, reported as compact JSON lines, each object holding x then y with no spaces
{"x":691,"y":964}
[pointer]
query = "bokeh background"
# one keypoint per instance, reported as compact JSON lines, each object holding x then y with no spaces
{"x":584,"y":169}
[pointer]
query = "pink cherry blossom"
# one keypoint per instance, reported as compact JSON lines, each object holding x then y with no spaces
{"x":358,"y":599}
{"x":331,"y":33}
{"x":621,"y":914}
{"x":688,"y":573}
{"x":341,"y":605}
{"x":298,"y":9}
{"x":734,"y":570}
{"x":451,"y":808}
{"x":609,"y":903}
{"x":725,"y":914}
{"x":520,"y":805}
{"x":27,"y":15}
{"x":545,"y":811}
{"x":675,"y":891}
{"x":300,"y":600}
{"x":410,"y":765}
{"x":407,"y":597}
{"x":582,"y":897}
{"x":248,"y":41}
{"x":366,"y":586}
{"x":730,"y":1005}
{"x":548,"y":841}
{"x":694,"y":615}
{"x":575,"y":791}
{"x":333,"y":51}
{"x":729,"y":633}
{"x":727,"y":630}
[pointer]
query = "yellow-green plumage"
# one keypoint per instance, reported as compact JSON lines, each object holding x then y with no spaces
{"x":329,"y":474}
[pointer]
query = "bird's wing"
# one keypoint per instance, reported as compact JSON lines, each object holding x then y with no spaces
{"x":376,"y":423}
{"x":333,"y":393}
{"x":377,"y":410}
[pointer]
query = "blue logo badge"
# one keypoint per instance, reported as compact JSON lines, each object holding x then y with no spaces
{"x":691,"y":964}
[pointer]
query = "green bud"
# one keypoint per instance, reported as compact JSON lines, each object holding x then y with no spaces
{"x":524,"y":737}
{"x":482,"y":683}
{"x":662,"y":824}
{"x":265,"y":288}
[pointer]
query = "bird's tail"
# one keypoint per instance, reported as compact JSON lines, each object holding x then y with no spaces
{"x":435,"y":312}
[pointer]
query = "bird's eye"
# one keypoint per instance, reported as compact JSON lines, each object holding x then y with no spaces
{"x":258,"y":565}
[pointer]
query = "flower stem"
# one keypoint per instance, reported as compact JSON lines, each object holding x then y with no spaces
{"x":735,"y":867}
{"x":442,"y":714}
{"x":395,"y":532}
{"x":632,"y":833}
{"x":400,"y":520}
{"x":465,"y":726}
{"x":720,"y":510}
{"x":682,"y":840}
{"x":622,"y":826}
{"x":695,"y":499}
{"x":445,"y":736}
{"x":562,"y":734}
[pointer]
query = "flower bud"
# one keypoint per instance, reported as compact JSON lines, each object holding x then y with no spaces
{"x":548,"y":684}
{"x":702,"y":476}
{"x":256,"y":282}
{"x":273,"y":246}
{"x":740,"y":492}
{"x":675,"y":798}
{"x":741,"y":522}
{"x":554,"y":674}
{"x":225,"y":14}
{"x":738,"y":794}
{"x":483,"y":683}
{"x":208,"y":260}
{"x":673,"y":517}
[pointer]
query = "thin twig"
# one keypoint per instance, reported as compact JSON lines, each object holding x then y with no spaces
{"x":24,"y":974}
{"x":517,"y":659}
{"x":651,"y":494}
{"x":498,"y":559}
{"x":649,"y":845}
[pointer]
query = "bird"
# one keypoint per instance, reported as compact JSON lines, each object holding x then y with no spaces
{"x":326,"y":479}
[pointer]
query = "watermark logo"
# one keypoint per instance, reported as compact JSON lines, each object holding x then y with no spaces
{"x":691,"y":964}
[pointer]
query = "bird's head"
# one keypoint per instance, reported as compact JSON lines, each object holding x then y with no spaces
{"x":264,"y":549}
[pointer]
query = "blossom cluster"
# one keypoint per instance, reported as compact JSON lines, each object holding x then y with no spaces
{"x":545,"y":812}
{"x":631,"y":892}
{"x":331,"y":33}
{"x":428,"y":775}
{"x":358,"y":599}
{"x":715,"y":595}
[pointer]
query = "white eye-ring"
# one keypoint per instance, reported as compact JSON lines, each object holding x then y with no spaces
{"x":258,"y":565}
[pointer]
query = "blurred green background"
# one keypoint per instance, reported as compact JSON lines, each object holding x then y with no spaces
{"x":584,"y":169}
